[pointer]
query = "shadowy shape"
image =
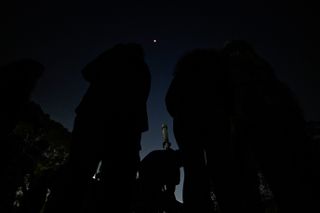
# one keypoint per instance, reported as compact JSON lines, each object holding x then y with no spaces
{"x":18,"y":79}
{"x":44,"y":149}
{"x":159,"y":173}
{"x":270,"y":125}
{"x":109,"y":122}
{"x":233,"y":119}
{"x":197,"y":99}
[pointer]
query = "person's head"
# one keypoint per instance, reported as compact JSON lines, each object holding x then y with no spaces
{"x":238,"y":47}
{"x":197,"y":61}
{"x":245,"y":63}
{"x":22,"y":75}
{"x":118,"y":57}
{"x":130,"y":50}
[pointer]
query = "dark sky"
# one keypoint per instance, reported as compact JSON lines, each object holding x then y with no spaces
{"x":65,"y":35}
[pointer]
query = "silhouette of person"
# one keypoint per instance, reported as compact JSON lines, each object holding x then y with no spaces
{"x":159,"y":173}
{"x":197,"y":99}
{"x":269,"y":126}
{"x":206,"y":99}
{"x":313,"y":175}
{"x":109,"y":122}
{"x":18,"y":81}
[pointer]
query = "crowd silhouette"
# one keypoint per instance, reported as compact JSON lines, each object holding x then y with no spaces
{"x":234,"y":122}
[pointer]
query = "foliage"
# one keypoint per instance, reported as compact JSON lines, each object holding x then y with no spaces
{"x":39,"y":147}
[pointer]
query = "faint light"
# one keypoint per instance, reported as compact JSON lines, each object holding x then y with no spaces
{"x":48,"y":194}
{"x":96,"y":176}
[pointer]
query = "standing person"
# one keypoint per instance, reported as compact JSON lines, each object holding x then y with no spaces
{"x":203,"y":102}
{"x":270,"y":125}
{"x":159,"y":174}
{"x":197,"y":99}
{"x":18,"y":80}
{"x":108,"y":126}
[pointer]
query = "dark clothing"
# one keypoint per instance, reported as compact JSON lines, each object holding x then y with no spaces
{"x":270,"y":124}
{"x":159,"y":173}
{"x":232,"y":118}
{"x":275,"y":131}
{"x":197,"y":99}
{"x":108,"y":126}
{"x":18,"y":80}
{"x":161,"y":167}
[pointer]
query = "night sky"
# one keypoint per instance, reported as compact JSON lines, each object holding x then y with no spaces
{"x":64,"y":36}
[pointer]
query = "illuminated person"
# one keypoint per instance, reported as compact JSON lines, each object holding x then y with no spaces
{"x":109,"y":122}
